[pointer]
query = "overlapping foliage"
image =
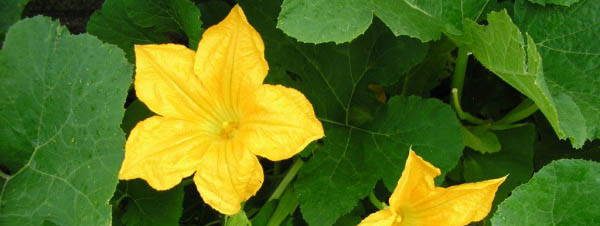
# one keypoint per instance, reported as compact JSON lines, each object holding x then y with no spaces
{"x":479,"y":88}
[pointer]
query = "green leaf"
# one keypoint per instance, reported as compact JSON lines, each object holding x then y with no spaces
{"x":567,"y":39}
{"x":481,"y":138}
{"x":61,"y":104}
{"x":515,"y":160}
{"x":142,"y":205}
{"x":239,"y":219}
{"x":564,"y":192}
{"x":500,"y":47}
{"x":128,"y":22}
{"x":436,"y":66}
{"x":10,"y":12}
{"x":352,"y":218}
{"x":318,"y":21}
{"x":356,"y":153}
{"x":265,"y":212}
{"x":555,"y":2}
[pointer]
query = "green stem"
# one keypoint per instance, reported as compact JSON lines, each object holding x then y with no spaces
{"x":4,"y":175}
{"x":525,"y":109}
{"x":286,"y":206}
{"x":462,"y":114}
{"x":506,"y":126}
{"x":289,"y":176}
{"x":458,"y":78}
{"x":225,"y":220}
{"x":375,"y":201}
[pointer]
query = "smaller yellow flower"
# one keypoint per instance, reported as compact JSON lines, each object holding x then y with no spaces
{"x":417,"y":201}
{"x":215,"y":115}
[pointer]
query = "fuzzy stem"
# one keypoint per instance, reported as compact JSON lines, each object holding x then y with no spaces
{"x":458,"y":78}
{"x":520,"y":112}
{"x":375,"y":201}
{"x":462,"y":114}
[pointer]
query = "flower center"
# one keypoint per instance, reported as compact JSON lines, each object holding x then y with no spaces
{"x":398,"y":219}
{"x":229,"y":129}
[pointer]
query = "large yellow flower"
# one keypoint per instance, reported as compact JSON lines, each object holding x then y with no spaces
{"x":416,"y":200}
{"x":214,"y":115}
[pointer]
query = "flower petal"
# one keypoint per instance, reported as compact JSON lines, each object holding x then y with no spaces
{"x":165,"y":82}
{"x":456,"y":205}
{"x":280,"y":123}
{"x":162,"y":151}
{"x":227,"y":176}
{"x":416,"y":181}
{"x":230,"y":59}
{"x":380,"y":218}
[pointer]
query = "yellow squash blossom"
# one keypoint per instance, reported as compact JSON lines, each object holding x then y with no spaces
{"x":417,"y":201}
{"x":214,"y":115}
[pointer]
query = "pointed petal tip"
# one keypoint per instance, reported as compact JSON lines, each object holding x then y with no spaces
{"x":232,"y":43}
{"x":411,"y":152}
{"x":499,"y":181}
{"x":414,"y":160}
{"x":237,"y":13}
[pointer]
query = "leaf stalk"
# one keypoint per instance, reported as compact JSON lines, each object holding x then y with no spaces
{"x":525,"y":109}
{"x":462,"y":114}
{"x":287,"y":179}
{"x":460,"y":68}
{"x":376,"y":202}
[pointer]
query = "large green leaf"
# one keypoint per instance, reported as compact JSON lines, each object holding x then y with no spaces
{"x":500,"y":47}
{"x":317,"y":21}
{"x":128,"y":22}
{"x":365,"y":140}
{"x":139,"y":204}
{"x":515,"y":159}
{"x":61,"y":104}
{"x":564,"y":192}
{"x":567,"y":39}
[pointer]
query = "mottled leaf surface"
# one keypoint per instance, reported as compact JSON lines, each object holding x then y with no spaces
{"x":564,"y":192}
{"x":61,"y":104}
{"x":567,"y":40}
{"x":128,"y":22}
{"x":318,"y":21}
